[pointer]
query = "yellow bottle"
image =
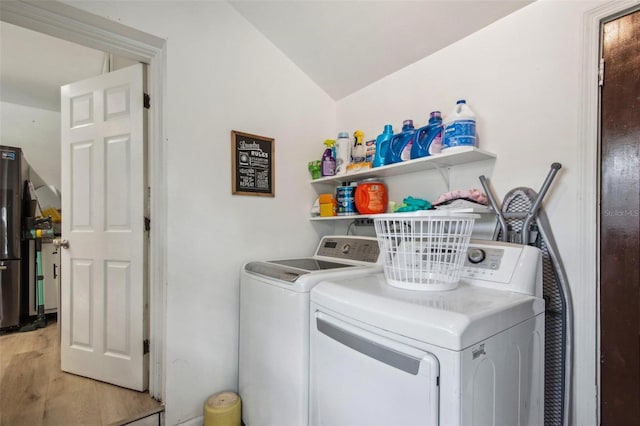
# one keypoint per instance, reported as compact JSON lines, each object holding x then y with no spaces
{"x":358,"y":152}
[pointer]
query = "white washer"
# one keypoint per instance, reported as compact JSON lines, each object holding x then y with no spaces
{"x":274,"y":326}
{"x":382,"y":355}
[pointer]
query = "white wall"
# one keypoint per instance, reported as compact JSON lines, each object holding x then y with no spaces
{"x":521,"y":75}
{"x":222,"y":75}
{"x":37,"y":132}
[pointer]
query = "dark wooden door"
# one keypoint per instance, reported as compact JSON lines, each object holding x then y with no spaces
{"x":620,"y":222}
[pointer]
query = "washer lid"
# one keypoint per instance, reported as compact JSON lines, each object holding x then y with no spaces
{"x":453,"y":319}
{"x":292,"y":269}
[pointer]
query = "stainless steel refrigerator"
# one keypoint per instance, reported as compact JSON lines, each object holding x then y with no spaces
{"x":12,"y":176}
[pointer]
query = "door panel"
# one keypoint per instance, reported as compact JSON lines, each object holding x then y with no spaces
{"x":103,"y":178}
{"x":117,"y":317}
{"x":118,"y":168}
{"x":619,"y":222}
{"x":81,"y":307}
{"x":81,"y":186}
{"x":357,"y":375}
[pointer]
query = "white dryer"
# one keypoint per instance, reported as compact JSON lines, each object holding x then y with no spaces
{"x":382,"y":355}
{"x":274,"y":326}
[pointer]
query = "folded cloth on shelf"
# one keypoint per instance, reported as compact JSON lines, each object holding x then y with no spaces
{"x":411,"y":204}
{"x":460,"y":204}
{"x":474,"y":195}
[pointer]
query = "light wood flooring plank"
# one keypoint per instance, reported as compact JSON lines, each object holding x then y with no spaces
{"x":14,"y":343}
{"x":35,"y":392}
{"x":77,"y":408}
{"x":118,"y":404}
{"x":24,"y":388}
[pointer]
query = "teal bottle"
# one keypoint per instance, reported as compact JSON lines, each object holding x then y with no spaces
{"x":400,"y":144}
{"x":382,"y":146}
{"x":428,"y":137}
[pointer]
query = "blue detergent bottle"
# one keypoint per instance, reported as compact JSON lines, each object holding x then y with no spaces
{"x":382,"y":146}
{"x":428,"y":137}
{"x":400,"y":146}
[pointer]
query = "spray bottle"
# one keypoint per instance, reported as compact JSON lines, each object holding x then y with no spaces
{"x":358,"y":152}
{"x":328,"y":166}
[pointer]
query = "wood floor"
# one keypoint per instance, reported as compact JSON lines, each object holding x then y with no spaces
{"x":34,"y":391}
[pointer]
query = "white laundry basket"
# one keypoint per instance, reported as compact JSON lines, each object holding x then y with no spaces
{"x":424,"y":250}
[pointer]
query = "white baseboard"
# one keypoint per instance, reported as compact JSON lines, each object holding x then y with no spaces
{"x":197,"y":421}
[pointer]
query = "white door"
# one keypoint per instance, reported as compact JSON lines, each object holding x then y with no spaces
{"x":103,"y":268}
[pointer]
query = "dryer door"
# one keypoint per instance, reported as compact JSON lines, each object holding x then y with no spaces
{"x":362,"y":378}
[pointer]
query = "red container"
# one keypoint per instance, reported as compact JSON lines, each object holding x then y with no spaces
{"x":371,"y":197}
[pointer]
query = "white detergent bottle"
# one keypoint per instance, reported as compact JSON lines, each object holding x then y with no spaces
{"x":343,"y":153}
{"x":459,"y":128}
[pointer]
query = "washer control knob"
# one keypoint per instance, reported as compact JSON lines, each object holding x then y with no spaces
{"x":346,"y":248}
{"x":476,"y":255}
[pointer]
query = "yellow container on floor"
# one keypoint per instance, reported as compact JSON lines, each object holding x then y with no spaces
{"x":223,"y":409}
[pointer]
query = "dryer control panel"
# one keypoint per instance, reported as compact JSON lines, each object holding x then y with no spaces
{"x":359,"y":249}
{"x":504,"y":266}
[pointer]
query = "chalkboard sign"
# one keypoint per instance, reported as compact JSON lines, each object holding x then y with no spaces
{"x":252,"y":164}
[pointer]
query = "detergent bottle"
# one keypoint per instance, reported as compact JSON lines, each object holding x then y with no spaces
{"x":459,"y":127}
{"x":400,"y":146}
{"x":343,"y":153}
{"x":428,"y":138}
{"x":328,"y":167}
{"x":370,"y":150}
{"x":382,"y":145}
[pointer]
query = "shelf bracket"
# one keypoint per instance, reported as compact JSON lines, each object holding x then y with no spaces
{"x":444,"y":172}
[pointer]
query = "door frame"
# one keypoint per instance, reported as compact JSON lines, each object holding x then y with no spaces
{"x":75,"y":25}
{"x":586,"y":294}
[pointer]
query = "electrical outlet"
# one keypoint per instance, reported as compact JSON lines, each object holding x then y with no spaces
{"x":364,"y":222}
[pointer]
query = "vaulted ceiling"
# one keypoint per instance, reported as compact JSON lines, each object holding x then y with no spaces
{"x":347,"y":45}
{"x":342,"y":45}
